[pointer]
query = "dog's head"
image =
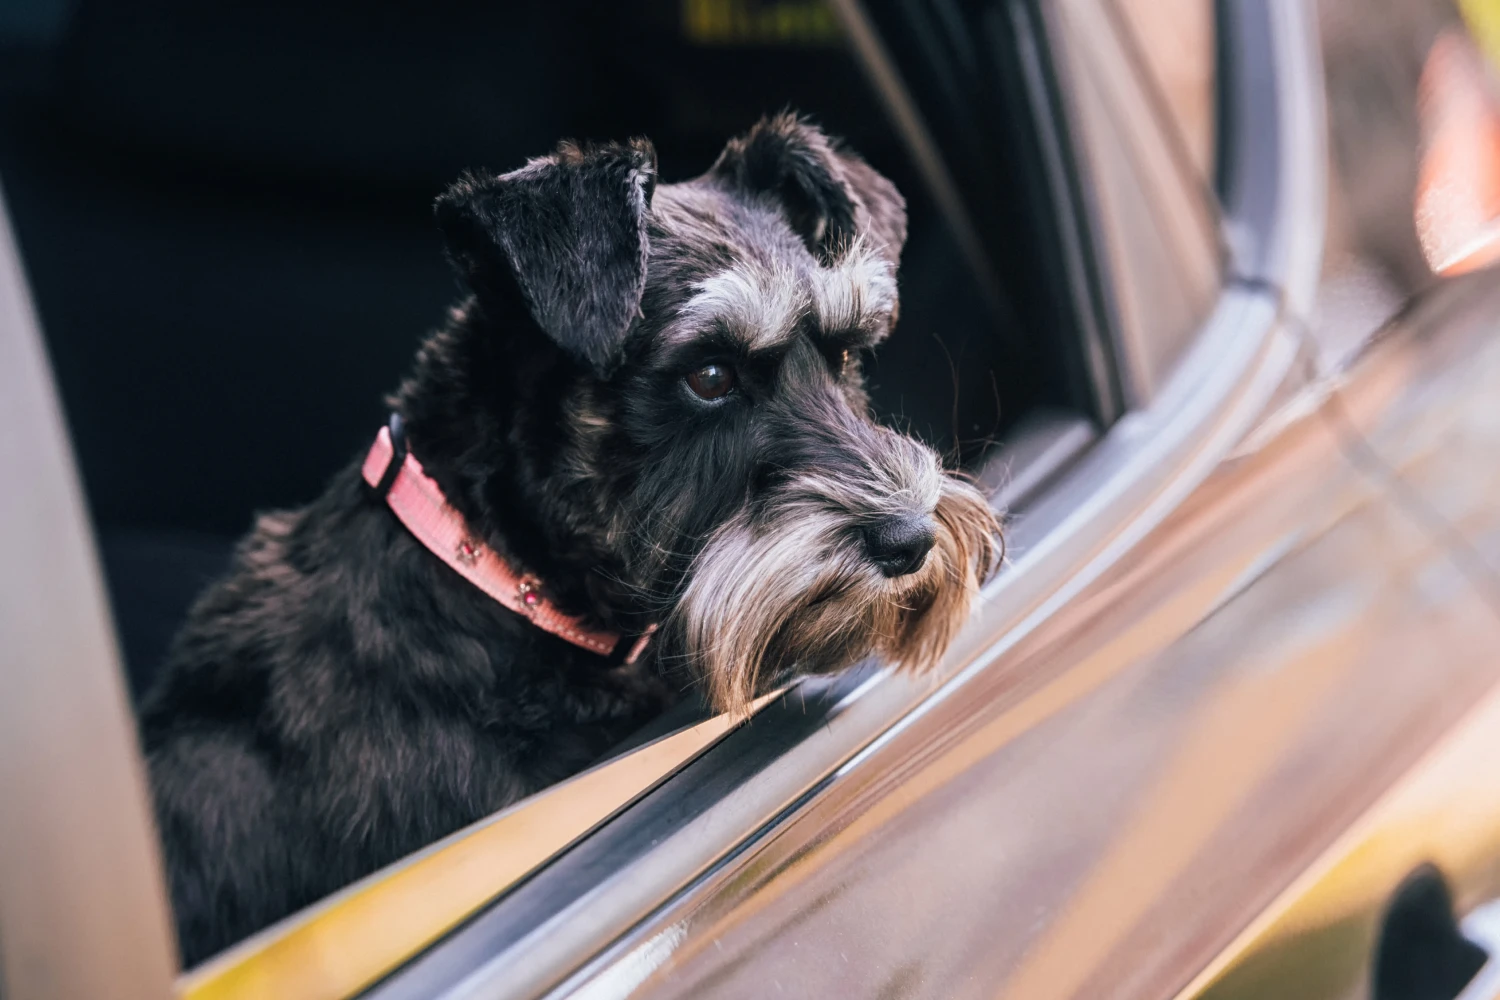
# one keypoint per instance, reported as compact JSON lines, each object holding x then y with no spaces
{"x":683,"y":434}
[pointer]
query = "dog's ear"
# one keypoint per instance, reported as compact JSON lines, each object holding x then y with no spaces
{"x":569,"y":232}
{"x":829,"y":195}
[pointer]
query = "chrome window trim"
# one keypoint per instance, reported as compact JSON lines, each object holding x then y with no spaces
{"x":593,"y":905}
{"x":1042,"y":445}
{"x":1286,"y":160}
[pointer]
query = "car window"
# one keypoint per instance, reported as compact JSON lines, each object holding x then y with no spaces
{"x":225,"y":212}
{"x":261,"y":260}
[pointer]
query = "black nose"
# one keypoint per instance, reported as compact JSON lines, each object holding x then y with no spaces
{"x":899,"y":544}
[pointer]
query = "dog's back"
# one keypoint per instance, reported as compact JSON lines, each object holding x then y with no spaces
{"x":320,"y":717}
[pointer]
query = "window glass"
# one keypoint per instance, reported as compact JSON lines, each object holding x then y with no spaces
{"x":1155,"y":214}
{"x":1175,"y":40}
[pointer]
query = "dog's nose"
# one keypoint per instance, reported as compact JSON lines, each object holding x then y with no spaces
{"x":898,"y":545}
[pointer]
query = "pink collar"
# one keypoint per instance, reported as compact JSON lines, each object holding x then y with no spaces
{"x":419,"y":504}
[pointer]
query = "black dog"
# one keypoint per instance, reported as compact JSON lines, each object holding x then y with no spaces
{"x":680,"y":437}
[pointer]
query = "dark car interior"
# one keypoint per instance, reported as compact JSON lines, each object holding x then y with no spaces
{"x":224,"y":210}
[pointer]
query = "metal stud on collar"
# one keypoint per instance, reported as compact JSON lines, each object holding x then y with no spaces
{"x":527,"y":591}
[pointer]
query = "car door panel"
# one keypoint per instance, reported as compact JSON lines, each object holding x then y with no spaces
{"x":1318,"y":938}
{"x":1124,"y":790}
{"x":1430,"y":420}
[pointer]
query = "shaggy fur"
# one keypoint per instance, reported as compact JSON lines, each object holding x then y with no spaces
{"x":342,"y":698}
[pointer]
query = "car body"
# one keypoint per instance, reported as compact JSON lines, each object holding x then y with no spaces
{"x":1227,"y":722}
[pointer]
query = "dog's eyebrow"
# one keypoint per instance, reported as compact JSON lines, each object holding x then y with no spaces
{"x":759,"y":304}
{"x":762,"y":305}
{"x":855,"y":296}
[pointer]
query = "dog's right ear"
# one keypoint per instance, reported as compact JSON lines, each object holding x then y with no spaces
{"x":569,"y":232}
{"x":828,"y":194}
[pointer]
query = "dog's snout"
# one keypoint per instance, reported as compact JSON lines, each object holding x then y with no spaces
{"x":898,"y":545}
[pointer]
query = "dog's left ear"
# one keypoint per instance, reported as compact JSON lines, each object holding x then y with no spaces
{"x":568,"y":231}
{"x":828,"y":194}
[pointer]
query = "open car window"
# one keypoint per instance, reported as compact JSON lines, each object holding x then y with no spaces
{"x":1024,"y":339}
{"x":251,"y":207}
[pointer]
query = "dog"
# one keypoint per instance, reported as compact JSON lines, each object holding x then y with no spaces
{"x":667,"y":475}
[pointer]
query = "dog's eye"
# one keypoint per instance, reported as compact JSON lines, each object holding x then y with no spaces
{"x":711,"y":381}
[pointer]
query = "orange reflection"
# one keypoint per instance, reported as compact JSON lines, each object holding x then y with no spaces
{"x":1458,"y":188}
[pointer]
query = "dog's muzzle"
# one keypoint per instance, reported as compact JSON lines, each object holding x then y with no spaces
{"x":881,"y":555}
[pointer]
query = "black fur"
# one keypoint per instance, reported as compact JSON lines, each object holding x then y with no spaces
{"x":562,"y":233}
{"x":828,"y":196}
{"x":342,"y":698}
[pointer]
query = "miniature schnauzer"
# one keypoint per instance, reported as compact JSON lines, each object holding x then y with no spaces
{"x":639,"y":456}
